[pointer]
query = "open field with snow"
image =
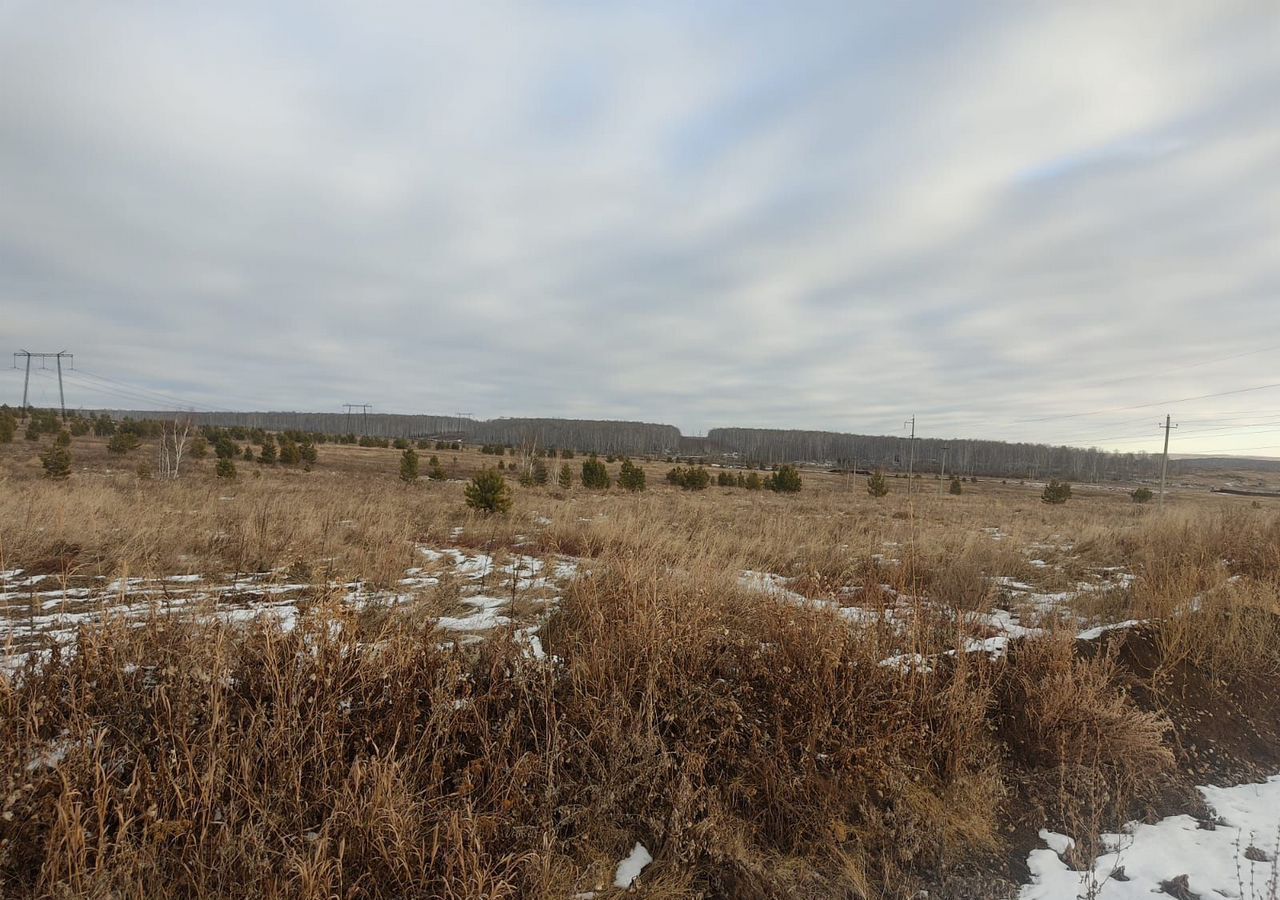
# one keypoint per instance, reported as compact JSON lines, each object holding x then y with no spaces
{"x":331,"y":683}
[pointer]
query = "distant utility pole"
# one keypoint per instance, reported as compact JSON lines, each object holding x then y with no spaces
{"x":1164,"y":459}
{"x":461,"y":416}
{"x":26,"y":381}
{"x":943,"y":476}
{"x":911,"y":452}
{"x":364,"y":416}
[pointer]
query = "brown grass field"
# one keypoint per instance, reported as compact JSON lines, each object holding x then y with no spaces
{"x":899,"y":699}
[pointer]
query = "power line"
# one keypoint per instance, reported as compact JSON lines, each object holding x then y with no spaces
{"x":128,"y":396}
{"x":1260,"y":387}
{"x":119,"y":394}
{"x":1220,"y":431}
{"x":1175,"y":369}
{"x":155,"y":396}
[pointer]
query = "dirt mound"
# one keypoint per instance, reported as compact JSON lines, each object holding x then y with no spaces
{"x":1226,"y":730}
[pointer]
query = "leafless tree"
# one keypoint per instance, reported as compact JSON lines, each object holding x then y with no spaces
{"x":173,"y":443}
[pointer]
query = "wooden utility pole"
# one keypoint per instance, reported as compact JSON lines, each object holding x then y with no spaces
{"x":943,"y":476}
{"x":1164,"y":459}
{"x":911,"y":452}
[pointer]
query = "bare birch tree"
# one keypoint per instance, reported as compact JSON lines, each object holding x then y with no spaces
{"x":173,"y":443}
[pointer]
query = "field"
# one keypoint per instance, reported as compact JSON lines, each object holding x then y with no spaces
{"x":335,"y":684}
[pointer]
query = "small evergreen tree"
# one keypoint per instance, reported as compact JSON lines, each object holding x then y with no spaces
{"x":8,"y":425}
{"x":1056,"y":492}
{"x":753,"y":482}
{"x":248,"y":452}
{"x":488,"y":492}
{"x":724,"y":479}
{"x":57,"y":461}
{"x":1141,"y":495}
{"x":63,"y":439}
{"x":539,"y":471}
{"x":308,"y":454}
{"x":400,"y":444}
{"x":566,"y":476}
{"x":696,"y":478}
{"x":268,"y":454}
{"x":409,"y":465}
{"x":876,"y":485}
{"x":199,"y":447}
{"x":290,"y":452}
{"x":122,"y":442}
{"x":631,"y":476}
{"x":786,"y":480}
{"x":225,"y":448}
{"x":435,"y":471}
{"x":691,"y":478}
{"x":594,"y":474}
{"x":225,"y":468}
{"x":955,"y":486}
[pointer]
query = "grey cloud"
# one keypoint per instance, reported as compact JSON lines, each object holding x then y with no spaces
{"x":820,"y":216}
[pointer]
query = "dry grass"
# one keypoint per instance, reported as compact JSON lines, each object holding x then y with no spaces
{"x":759,"y":748}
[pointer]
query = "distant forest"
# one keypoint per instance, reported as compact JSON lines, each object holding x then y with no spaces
{"x":747,"y":446}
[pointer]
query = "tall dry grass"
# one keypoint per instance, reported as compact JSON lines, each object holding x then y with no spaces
{"x":759,"y":748}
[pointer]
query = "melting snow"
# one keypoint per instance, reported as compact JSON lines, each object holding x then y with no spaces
{"x":1231,"y":859}
{"x":39,"y":618}
{"x":631,"y":867}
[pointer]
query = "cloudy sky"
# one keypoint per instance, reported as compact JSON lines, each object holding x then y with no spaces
{"x":1014,"y":220}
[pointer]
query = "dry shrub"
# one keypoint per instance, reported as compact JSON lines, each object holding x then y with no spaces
{"x":203,"y":761}
{"x":1063,"y":708}
{"x":1231,"y":631}
{"x":733,"y":730}
{"x":1068,"y":718}
{"x":756,"y":747}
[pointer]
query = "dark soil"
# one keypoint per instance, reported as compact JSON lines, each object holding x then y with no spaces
{"x":1224,"y":732}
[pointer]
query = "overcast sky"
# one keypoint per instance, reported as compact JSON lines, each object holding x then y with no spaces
{"x":997,"y":216}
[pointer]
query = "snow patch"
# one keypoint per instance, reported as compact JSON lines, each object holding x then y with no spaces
{"x":1226,"y":860}
{"x":631,"y":867}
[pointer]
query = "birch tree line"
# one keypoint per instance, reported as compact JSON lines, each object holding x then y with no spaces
{"x":767,"y":446}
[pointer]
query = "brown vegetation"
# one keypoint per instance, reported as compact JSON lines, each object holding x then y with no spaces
{"x":758,"y":747}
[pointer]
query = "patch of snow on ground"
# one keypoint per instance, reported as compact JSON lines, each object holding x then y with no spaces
{"x":769,"y":583}
{"x":905,"y":662}
{"x":49,"y":757}
{"x":1092,"y":634}
{"x":485,"y":617}
{"x":1233,"y":859}
{"x":631,"y":867}
{"x":34,"y":620}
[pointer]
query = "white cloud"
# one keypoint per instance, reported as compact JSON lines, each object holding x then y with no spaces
{"x":817,"y":216}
